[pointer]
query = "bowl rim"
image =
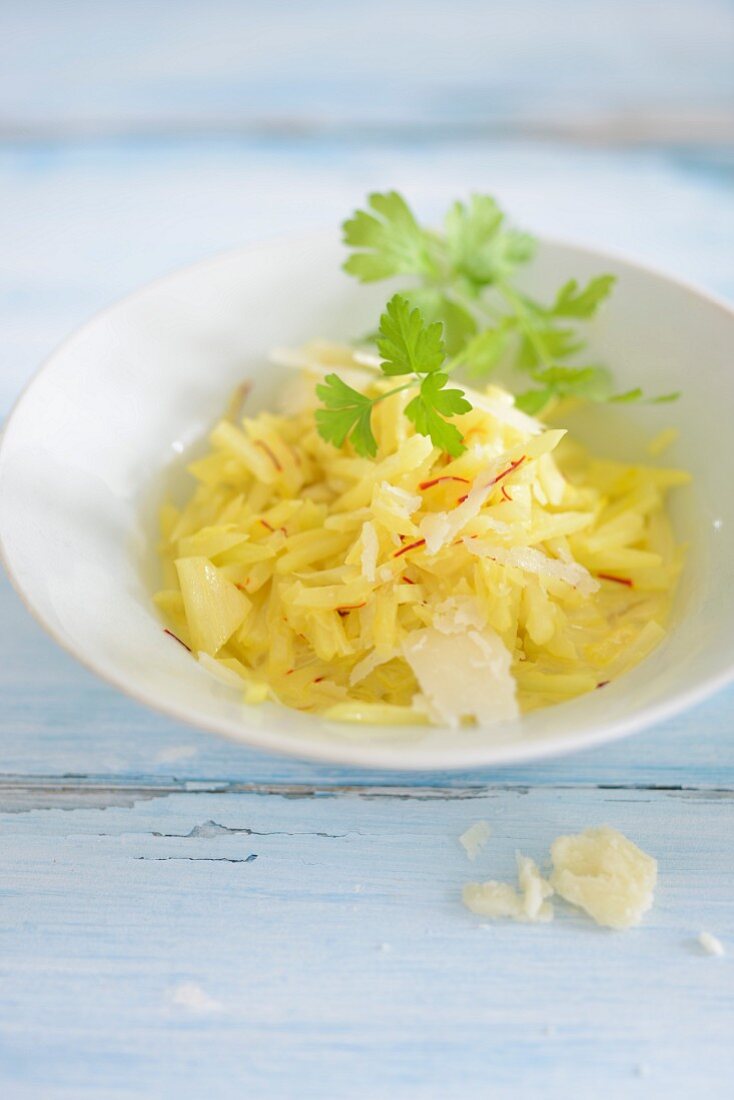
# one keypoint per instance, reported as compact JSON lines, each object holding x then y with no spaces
{"x":380,"y":755}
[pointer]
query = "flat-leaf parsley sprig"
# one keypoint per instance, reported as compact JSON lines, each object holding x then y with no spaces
{"x":407,"y":347}
{"x":464,"y":281}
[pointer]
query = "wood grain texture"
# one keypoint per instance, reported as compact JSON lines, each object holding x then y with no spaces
{"x":339,"y":962}
{"x":144,"y":952}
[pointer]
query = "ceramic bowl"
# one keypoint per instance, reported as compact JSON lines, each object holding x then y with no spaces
{"x":99,"y":433}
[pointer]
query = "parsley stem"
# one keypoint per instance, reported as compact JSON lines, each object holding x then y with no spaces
{"x":405,"y":386}
{"x":522,"y":315}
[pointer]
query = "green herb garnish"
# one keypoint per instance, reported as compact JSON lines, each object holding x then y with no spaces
{"x":407,"y":346}
{"x":463,"y":313}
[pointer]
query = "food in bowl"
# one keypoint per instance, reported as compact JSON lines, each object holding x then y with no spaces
{"x":387,"y":547}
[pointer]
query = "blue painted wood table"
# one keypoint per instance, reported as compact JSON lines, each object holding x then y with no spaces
{"x":180,"y":917}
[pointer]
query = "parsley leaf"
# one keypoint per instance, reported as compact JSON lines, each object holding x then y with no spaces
{"x":591,"y":382}
{"x":562,"y":378}
{"x":406,"y":345}
{"x":431,"y":405}
{"x":389,"y":240}
{"x":459,"y":323}
{"x":545,"y":346}
{"x":346,"y":415}
{"x":465,"y":282}
{"x":481,"y":250}
{"x":464,"y":305}
{"x":637,"y":395}
{"x":571,"y":301}
{"x":484,"y":352}
{"x":533,"y":402}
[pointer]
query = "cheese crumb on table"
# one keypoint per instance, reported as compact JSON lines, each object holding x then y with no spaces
{"x":711,"y":944}
{"x":191,"y":996}
{"x":599,"y":870}
{"x":535,"y":890}
{"x":500,"y":899}
{"x":474,"y":839}
{"x":606,"y":875}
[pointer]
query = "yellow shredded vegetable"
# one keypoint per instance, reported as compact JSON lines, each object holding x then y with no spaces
{"x":413,"y":587}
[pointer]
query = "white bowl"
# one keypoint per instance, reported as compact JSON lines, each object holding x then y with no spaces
{"x":84,"y":455}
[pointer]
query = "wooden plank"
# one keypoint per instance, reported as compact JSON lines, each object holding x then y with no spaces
{"x":613,"y":69}
{"x":143,"y":952}
{"x":340,"y":962}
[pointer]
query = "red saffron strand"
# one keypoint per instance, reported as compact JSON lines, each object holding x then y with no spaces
{"x":505,"y":494}
{"x":627,"y":581}
{"x":266,"y":525}
{"x":505,"y":473}
{"x":176,"y":638}
{"x":446,"y":477}
{"x":270,"y":453}
{"x":510,"y":469}
{"x":350,"y":607}
{"x":407,"y":580}
{"x":410,"y":546}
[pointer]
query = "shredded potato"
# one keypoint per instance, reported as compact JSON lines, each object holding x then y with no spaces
{"x":403,"y":588}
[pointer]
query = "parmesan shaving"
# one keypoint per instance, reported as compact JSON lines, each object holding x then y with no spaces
{"x":404,"y":502}
{"x":534,"y":561}
{"x":606,"y":875}
{"x":500,"y":899}
{"x":456,"y":614}
{"x":463,"y":676}
{"x":599,"y":871}
{"x":499,"y":404}
{"x":493,"y":899}
{"x":321,"y":357}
